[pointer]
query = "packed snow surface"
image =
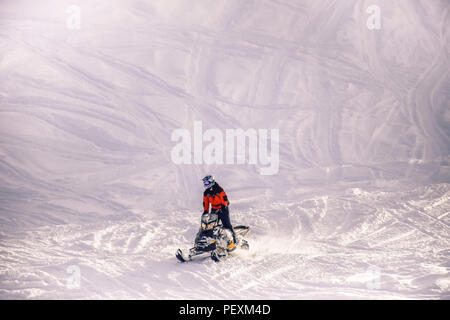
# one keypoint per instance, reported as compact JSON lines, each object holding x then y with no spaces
{"x":92,"y":205}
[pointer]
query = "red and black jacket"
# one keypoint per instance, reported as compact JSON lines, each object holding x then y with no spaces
{"x":216,"y":197}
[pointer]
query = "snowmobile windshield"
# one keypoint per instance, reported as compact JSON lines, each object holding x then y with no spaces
{"x":210,"y":220}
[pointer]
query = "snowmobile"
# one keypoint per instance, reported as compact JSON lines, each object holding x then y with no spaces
{"x":215,"y":240}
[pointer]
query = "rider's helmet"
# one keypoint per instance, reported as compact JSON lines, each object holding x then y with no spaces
{"x":208,"y":181}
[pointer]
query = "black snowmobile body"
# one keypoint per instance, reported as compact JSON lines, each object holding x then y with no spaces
{"x":214,"y":239}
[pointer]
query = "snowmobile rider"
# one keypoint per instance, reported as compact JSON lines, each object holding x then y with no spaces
{"x":216,"y":196}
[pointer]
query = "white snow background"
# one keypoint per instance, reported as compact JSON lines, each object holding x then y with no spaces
{"x":92,"y":206}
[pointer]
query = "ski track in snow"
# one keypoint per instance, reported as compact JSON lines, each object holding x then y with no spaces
{"x":359,"y":208}
{"x":320,"y":247}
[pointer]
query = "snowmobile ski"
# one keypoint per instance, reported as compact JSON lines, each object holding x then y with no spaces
{"x":179,"y":255}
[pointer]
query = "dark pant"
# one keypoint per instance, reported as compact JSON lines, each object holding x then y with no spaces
{"x":224,"y":216}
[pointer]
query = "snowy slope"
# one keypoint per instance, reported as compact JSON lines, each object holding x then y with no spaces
{"x":358,"y":209}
